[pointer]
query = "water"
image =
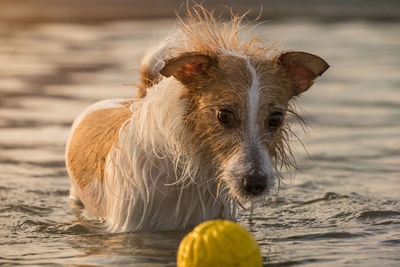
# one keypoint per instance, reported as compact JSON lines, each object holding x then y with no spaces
{"x":341,"y":209}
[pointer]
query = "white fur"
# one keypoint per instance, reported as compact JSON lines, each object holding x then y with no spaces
{"x":150,"y":182}
{"x":154,"y":183}
{"x":154,"y":58}
{"x":238,"y":166}
{"x":254,"y":97}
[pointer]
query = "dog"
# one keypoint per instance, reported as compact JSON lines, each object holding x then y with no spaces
{"x":208,"y":130}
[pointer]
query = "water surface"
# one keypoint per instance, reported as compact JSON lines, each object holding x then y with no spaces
{"x":341,"y":209}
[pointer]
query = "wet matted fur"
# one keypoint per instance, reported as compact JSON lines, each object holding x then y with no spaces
{"x":208,"y":131}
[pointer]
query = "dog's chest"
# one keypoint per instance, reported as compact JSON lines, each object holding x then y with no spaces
{"x":177,"y":208}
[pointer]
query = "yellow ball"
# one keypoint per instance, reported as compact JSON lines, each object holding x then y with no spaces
{"x":219,"y":243}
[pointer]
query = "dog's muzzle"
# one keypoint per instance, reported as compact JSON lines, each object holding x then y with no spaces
{"x":255,"y":183}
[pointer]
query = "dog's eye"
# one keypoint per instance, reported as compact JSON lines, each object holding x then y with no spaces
{"x":225,"y":117}
{"x":275,"y":119}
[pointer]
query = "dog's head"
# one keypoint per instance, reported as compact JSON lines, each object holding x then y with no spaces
{"x":237,"y":107}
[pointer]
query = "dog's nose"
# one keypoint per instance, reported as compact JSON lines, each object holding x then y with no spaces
{"x":255,"y":183}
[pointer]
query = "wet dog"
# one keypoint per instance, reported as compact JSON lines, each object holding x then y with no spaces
{"x":208,"y":131}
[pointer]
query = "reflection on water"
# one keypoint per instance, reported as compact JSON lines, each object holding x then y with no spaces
{"x":341,"y":209}
{"x":130,"y":248}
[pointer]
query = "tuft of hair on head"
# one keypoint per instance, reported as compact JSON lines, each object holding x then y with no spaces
{"x":210,"y":35}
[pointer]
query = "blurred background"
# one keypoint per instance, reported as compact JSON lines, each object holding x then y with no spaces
{"x":342,"y":208}
{"x":100,"y":10}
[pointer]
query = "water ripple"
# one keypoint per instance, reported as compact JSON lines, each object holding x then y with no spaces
{"x":378,"y":214}
{"x":323,"y":236}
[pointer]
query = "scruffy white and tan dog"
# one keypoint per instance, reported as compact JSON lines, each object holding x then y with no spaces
{"x":207,"y":132}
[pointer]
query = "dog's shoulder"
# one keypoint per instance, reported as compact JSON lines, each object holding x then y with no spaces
{"x":93,"y":135}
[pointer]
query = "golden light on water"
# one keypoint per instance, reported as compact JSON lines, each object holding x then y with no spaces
{"x":342,"y":207}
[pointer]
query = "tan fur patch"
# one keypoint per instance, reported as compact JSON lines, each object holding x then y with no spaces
{"x":226,"y":88}
{"x":91,"y":142}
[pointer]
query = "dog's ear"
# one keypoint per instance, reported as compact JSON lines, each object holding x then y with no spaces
{"x":302,"y":68}
{"x":187,"y":67}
